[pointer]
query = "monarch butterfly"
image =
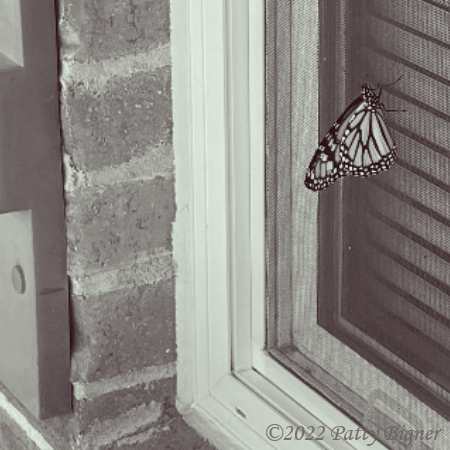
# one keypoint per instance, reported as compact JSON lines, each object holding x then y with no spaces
{"x":358,"y":143}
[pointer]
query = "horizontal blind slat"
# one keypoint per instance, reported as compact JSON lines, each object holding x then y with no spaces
{"x":416,"y":14}
{"x":408,"y":312}
{"x":409,"y":217}
{"x":423,"y":123}
{"x":399,"y":275}
{"x":411,"y":250}
{"x":413,"y":83}
{"x":405,"y":182}
{"x":409,"y":47}
{"x":422,"y":158}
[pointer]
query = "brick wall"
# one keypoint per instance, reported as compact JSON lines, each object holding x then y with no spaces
{"x":119,"y":190}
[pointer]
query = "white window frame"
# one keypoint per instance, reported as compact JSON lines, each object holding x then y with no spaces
{"x":229,"y":388}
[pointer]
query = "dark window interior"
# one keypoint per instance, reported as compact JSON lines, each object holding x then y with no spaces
{"x":385,"y":241}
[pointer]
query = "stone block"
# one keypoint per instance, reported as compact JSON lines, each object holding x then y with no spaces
{"x":113,"y":404}
{"x":129,"y":117}
{"x":123,"y":330}
{"x":111,"y":226}
{"x":92,"y":30}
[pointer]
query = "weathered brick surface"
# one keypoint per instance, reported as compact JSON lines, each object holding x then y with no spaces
{"x":98,"y":29}
{"x":116,"y":403}
{"x":58,"y":432}
{"x":123,"y":330}
{"x":108,"y":226}
{"x":173,"y":434}
{"x":130,"y":117}
{"x":12,"y":438}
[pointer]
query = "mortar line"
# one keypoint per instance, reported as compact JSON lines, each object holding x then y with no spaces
{"x":93,"y":389}
{"x":96,"y":75}
{"x":143,"y":168}
{"x":156,"y":268}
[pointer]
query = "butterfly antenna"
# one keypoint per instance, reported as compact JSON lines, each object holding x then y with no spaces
{"x":392,"y":83}
{"x":395,"y":110}
{"x":382,"y":86}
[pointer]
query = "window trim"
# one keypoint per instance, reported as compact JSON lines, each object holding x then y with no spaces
{"x":218,"y":117}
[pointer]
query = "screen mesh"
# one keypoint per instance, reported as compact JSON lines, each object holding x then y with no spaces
{"x":396,"y":228}
{"x":370,"y":254}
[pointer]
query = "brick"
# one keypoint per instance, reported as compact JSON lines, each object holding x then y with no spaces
{"x":168,"y":431}
{"x":173,"y":435}
{"x":129,"y":117}
{"x":116,"y":403}
{"x":97,"y":29}
{"x":107,"y":227}
{"x":125,"y":330}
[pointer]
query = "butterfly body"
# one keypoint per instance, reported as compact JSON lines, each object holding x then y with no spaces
{"x":357,"y":144}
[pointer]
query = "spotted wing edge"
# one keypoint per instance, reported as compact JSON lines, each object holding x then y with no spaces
{"x":332,"y":139}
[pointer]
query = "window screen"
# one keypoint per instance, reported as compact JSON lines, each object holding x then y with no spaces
{"x":358,"y":275}
{"x":394,"y":262}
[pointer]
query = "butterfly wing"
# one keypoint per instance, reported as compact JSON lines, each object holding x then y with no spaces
{"x":367,"y":146}
{"x":327,"y":165}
